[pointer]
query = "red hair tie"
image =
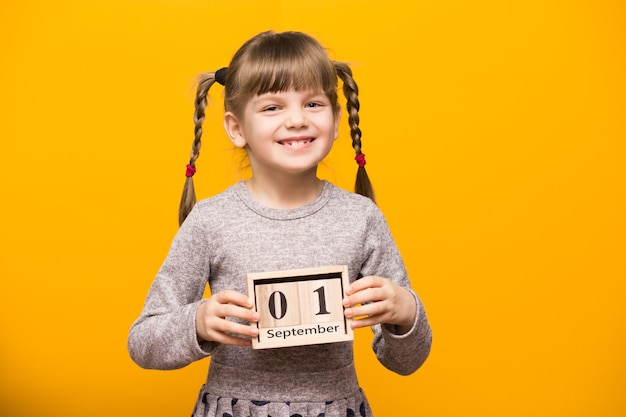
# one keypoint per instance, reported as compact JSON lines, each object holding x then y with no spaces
{"x":190,"y":171}
{"x":360,"y":159}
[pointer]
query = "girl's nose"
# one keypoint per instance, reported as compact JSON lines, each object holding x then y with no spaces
{"x":296,"y":118}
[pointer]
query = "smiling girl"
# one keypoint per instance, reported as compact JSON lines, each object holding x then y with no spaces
{"x":281,"y":107}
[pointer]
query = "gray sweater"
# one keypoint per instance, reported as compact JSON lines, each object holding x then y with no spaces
{"x":231,"y":234}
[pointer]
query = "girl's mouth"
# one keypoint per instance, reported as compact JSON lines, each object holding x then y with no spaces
{"x":295,"y":143}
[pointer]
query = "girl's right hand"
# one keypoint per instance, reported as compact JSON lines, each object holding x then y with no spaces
{"x":212,"y":325}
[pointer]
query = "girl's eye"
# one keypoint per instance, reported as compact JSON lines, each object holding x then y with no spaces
{"x":270,"y":108}
{"x":314,"y":104}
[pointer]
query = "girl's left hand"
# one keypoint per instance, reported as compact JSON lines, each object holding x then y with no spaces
{"x":376,"y":300}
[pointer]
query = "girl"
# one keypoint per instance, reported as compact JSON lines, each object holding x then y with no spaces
{"x":281,"y":107}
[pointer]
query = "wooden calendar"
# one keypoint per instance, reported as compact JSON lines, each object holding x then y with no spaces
{"x":300,"y":307}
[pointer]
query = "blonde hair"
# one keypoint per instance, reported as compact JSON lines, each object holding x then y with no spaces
{"x":275,"y":62}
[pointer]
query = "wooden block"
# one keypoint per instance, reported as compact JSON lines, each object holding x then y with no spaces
{"x":300,"y":306}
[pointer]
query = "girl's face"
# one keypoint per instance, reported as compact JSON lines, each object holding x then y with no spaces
{"x":285,"y":132}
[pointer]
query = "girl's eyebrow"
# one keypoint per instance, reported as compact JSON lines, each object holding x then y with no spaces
{"x":261,"y":100}
{"x":276,"y":96}
{"x":266,"y":96}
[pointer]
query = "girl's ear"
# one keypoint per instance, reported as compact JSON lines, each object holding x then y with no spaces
{"x":233,"y":129}
{"x":337,"y":120}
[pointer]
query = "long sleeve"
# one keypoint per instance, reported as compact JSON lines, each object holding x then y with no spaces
{"x":164,"y":335}
{"x":404,"y":353}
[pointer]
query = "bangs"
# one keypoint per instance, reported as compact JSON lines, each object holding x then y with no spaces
{"x":277,"y":63}
{"x":299,"y":74}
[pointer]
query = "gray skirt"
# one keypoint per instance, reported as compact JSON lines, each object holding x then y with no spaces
{"x":209,"y":405}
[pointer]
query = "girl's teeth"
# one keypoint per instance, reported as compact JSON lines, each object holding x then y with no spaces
{"x":297,"y":143}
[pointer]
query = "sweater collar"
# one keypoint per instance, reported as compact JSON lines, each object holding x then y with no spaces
{"x":283,"y":214}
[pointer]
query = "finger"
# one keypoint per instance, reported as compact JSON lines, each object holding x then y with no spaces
{"x":366,"y":310}
{"x":234,"y":311}
{"x":237,"y":329}
{"x":217,"y":328}
{"x":358,"y":292}
{"x":366,"y":322}
{"x":233,"y":297}
{"x":364,"y":296}
{"x":362,"y":283}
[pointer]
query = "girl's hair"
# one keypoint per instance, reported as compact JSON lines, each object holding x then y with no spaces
{"x":275,"y":62}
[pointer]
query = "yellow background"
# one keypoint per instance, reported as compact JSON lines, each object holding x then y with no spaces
{"x":494,"y":132}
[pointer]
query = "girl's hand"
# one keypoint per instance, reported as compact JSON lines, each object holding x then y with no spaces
{"x":211,"y":323}
{"x":376,"y":300}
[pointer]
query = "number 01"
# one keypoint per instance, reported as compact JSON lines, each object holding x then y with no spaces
{"x":321,"y":295}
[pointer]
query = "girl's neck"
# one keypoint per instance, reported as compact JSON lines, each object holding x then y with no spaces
{"x":285,"y":192}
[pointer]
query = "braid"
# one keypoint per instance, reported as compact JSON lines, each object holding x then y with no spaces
{"x":363,"y":184}
{"x":188,"y":199}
